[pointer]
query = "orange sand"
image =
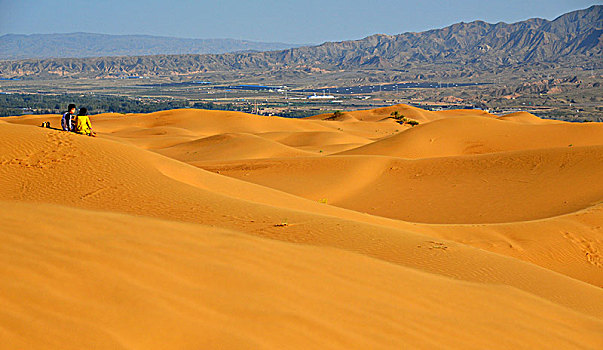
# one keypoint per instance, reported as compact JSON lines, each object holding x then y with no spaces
{"x":202,"y":229}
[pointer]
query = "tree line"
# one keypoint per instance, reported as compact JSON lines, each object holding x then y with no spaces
{"x":20,"y":104}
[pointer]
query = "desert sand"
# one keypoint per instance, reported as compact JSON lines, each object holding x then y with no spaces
{"x":193,"y":229}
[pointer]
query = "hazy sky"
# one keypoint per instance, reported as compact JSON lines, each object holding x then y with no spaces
{"x":310,"y":21}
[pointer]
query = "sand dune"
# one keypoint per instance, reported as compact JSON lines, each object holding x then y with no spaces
{"x":414,"y":113}
{"x":527,"y":118}
{"x":202,"y":229}
{"x":167,"y":129}
{"x":479,"y":189}
{"x":134,"y":287}
{"x":471,"y":191}
{"x":318,"y":141}
{"x":478,"y":135}
{"x":229,"y":147}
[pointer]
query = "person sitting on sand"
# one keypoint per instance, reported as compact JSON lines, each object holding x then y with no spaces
{"x":67,"y":120}
{"x":82,"y":123}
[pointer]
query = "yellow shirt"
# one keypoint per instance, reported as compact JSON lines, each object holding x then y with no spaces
{"x":82,"y":125}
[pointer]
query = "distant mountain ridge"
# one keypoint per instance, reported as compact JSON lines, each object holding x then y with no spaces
{"x":79,"y":45}
{"x":576,"y":35}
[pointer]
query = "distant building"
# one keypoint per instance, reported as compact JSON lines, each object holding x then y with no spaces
{"x":321,"y":97}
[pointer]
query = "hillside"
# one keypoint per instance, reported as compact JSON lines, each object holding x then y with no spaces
{"x":19,"y":46}
{"x":573,"y":37}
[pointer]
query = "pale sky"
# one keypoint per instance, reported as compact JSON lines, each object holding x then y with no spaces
{"x":299,"y":22}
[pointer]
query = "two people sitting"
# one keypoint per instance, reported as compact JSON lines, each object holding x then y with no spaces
{"x":79,"y":123}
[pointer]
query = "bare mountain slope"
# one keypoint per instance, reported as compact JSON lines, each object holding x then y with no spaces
{"x":575,"y":35}
{"x":19,"y":46}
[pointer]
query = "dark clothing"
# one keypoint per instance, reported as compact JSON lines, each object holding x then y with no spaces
{"x":66,"y":122}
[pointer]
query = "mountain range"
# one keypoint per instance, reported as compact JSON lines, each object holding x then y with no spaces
{"x":19,"y":46}
{"x":576,"y":35}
